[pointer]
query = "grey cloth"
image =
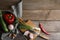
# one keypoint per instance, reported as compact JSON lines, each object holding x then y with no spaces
{"x":18,"y":37}
{"x":17,"y":9}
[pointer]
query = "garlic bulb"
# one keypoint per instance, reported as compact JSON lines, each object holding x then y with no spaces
{"x":31,"y":36}
{"x":26,"y":33}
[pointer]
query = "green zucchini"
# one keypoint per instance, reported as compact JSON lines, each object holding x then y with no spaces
{"x":4,"y":27}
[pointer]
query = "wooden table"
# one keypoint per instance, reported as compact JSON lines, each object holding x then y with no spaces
{"x":46,"y":12}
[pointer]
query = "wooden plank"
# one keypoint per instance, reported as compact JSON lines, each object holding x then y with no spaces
{"x":35,"y":14}
{"x":54,"y":36}
{"x":54,"y":15}
{"x":41,"y":14}
{"x":41,"y":4}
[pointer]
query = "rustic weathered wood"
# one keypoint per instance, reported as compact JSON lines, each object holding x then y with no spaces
{"x":54,"y":36}
{"x":41,"y":14}
{"x":54,"y":15}
{"x":35,"y":14}
{"x":41,"y":4}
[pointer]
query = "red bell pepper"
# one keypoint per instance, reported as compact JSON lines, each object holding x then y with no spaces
{"x":9,"y":18}
{"x":42,"y":29}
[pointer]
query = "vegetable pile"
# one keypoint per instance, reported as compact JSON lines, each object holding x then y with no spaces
{"x":9,"y":23}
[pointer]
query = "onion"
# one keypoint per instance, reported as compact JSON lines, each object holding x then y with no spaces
{"x":11,"y":27}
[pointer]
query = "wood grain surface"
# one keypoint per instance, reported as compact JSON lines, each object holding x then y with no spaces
{"x":41,"y":14}
{"x":47,"y":12}
{"x":35,"y":14}
{"x":41,"y":4}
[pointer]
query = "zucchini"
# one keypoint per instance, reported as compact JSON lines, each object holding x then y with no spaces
{"x":4,"y":26}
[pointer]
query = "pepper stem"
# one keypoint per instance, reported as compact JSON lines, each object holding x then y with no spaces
{"x":10,"y":17}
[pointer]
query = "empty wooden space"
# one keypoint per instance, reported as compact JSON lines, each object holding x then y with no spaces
{"x":41,"y":4}
{"x":41,"y":14}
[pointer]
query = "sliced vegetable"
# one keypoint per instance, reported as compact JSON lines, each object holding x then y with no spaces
{"x":42,"y":29}
{"x":9,"y":18}
{"x":3,"y":23}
